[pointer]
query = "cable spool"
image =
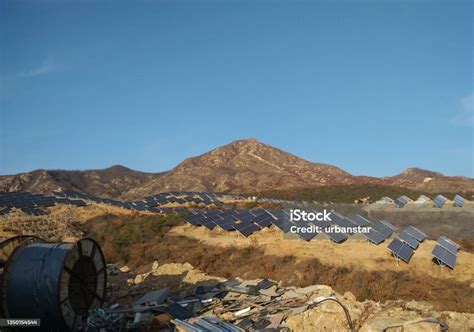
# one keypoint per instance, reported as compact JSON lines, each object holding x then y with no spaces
{"x":56,"y":282}
{"x":10,"y":244}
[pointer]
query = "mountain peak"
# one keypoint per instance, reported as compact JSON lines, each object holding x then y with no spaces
{"x":246,"y":141}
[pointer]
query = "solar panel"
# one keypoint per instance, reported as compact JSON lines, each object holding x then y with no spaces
{"x":208,"y":224}
{"x":416,"y":233}
{"x":405,"y":253}
{"x":264,"y":222}
{"x":450,"y":241}
{"x":408,"y":239}
{"x":395,"y":245}
{"x":227,"y":225}
{"x":389,"y":225}
{"x":359,"y":220}
{"x":374,"y":237}
{"x":195,"y":219}
{"x":448,"y":245}
{"x":399,"y":203}
{"x":382,"y":229}
{"x":306,"y":236}
{"x":246,"y":230}
{"x":282,"y":225}
{"x":321,"y":224}
{"x":342,"y":222}
{"x":444,"y":256}
{"x":458,"y":201}
{"x":439,"y":201}
{"x":336,"y":237}
{"x":401,"y":250}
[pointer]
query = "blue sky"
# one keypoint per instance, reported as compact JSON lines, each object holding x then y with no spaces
{"x":373,"y":87}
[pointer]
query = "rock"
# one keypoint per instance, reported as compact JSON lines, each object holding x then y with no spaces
{"x":138,"y":279}
{"x":124,"y":269}
{"x":155,"y":266}
{"x":188,"y":266}
{"x":350,"y":297}
{"x":316,"y":320}
{"x":172,"y":269}
{"x":322,"y":290}
{"x":306,"y":290}
{"x":419,"y":306}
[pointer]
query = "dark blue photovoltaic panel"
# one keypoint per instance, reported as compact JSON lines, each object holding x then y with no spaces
{"x":399,"y":203}
{"x":448,"y":245}
{"x":282,"y":225}
{"x":267,"y":222}
{"x":444,"y":256}
{"x":358,"y":220}
{"x":416,"y":233}
{"x":227,"y":225}
{"x":450,"y":241}
{"x":336,"y":237}
{"x":306,"y":236}
{"x":342,"y":222}
{"x":382,"y":230}
{"x":401,"y":250}
{"x":395,"y":245}
{"x":195,"y":219}
{"x":374,"y":237}
{"x":322,"y":224}
{"x":408,"y":239}
{"x":389,"y":225}
{"x":208,"y":224}
{"x":405,"y":253}
{"x":247,"y":229}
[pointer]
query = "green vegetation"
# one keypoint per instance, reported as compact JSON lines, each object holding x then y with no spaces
{"x":118,"y":233}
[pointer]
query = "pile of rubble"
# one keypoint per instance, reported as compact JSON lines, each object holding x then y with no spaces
{"x":177,"y":297}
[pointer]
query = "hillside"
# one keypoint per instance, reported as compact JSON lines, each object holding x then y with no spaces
{"x":110,"y":182}
{"x":243,"y":166}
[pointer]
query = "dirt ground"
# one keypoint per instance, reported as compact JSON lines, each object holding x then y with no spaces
{"x":353,"y":253}
{"x":368,"y":271}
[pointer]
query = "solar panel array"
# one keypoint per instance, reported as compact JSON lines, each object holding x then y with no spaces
{"x":183,"y":197}
{"x":245,"y":222}
{"x":241,"y":221}
{"x":439,"y":201}
{"x":284,"y":202}
{"x":143,"y":206}
{"x":445,"y":252}
{"x":29,"y":203}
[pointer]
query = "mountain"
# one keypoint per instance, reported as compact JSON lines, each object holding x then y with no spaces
{"x":428,"y":181}
{"x":243,"y":166}
{"x":247,"y":166}
{"x":110,"y":182}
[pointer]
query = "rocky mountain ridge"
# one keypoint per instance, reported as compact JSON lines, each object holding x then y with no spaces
{"x":242,"y":166}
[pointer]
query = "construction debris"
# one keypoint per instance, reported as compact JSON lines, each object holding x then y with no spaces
{"x":229,"y":305}
{"x":209,"y":303}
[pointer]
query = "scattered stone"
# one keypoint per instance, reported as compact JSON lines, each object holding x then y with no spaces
{"x":124,"y":269}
